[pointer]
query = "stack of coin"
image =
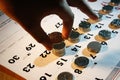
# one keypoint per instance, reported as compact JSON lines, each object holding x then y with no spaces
{"x":65,"y":76}
{"x":104,"y":34}
{"x":115,"y":24}
{"x":94,"y":47}
{"x":81,"y":61}
{"x":58,"y":43}
{"x":106,"y":9}
{"x":84,"y":26}
{"x":74,"y":37}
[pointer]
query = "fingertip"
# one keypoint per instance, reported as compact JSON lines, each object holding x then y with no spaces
{"x":65,"y":34}
{"x":49,"y":48}
{"x":94,"y":17}
{"x":67,"y":28}
{"x":47,"y":44}
{"x":92,"y":0}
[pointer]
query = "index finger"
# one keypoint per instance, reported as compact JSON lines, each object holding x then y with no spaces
{"x":65,"y":13}
{"x":80,"y":4}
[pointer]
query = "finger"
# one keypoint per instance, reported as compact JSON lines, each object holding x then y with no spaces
{"x":92,"y":0}
{"x":65,"y":13}
{"x":83,"y":7}
{"x":33,"y":27}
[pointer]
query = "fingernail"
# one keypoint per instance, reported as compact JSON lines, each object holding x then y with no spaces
{"x":92,"y":0}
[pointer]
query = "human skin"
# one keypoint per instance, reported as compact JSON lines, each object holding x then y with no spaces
{"x":29,"y":13}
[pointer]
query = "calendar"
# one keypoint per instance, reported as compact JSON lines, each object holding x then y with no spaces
{"x":23,"y":55}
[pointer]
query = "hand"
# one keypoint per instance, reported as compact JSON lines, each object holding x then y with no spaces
{"x":29,"y":13}
{"x":83,"y":7}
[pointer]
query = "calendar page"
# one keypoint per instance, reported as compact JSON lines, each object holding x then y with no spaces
{"x":22,"y":54}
